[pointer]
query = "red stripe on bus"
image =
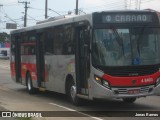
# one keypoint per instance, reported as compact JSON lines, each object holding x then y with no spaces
{"x":13,"y":69}
{"x":32,"y":68}
{"x":132,"y":81}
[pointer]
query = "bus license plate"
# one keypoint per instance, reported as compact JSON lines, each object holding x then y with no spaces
{"x":134,"y":91}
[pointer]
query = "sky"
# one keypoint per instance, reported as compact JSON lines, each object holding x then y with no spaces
{"x":13,"y":12}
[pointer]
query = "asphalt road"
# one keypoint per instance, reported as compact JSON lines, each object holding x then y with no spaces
{"x":14,"y":97}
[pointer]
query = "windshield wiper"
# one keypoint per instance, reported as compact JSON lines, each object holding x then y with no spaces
{"x":139,"y":39}
{"x":118,"y":38}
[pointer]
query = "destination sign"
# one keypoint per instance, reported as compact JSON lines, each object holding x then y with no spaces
{"x":121,"y":18}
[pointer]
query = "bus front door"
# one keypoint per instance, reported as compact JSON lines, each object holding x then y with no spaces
{"x":82,"y":63}
{"x":40,"y":60}
{"x":18,"y":59}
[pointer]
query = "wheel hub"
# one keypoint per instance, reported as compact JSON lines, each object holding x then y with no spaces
{"x":29,"y":85}
{"x":73,"y":92}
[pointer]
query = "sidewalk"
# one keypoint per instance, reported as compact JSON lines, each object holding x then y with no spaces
{"x":5,"y":64}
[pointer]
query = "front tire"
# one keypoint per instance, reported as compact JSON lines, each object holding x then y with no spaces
{"x":30,"y":87}
{"x":129,"y":100}
{"x":71,"y":92}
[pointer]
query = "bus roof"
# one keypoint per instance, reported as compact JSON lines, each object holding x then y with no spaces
{"x":71,"y":19}
{"x":65,"y":20}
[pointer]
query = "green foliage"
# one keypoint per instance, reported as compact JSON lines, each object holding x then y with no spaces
{"x":4,"y":36}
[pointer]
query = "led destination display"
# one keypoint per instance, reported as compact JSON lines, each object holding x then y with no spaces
{"x":121,"y":18}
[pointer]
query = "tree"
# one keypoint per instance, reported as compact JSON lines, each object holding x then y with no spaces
{"x":4,"y":37}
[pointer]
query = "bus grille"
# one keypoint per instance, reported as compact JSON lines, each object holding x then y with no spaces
{"x":142,"y":90}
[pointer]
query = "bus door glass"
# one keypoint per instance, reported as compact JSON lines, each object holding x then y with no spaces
{"x":40,"y":59}
{"x":82,"y":59}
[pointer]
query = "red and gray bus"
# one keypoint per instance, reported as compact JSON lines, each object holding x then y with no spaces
{"x":102,"y":55}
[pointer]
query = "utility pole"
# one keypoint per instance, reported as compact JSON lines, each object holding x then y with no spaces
{"x":0,"y":13}
{"x":0,"y":10}
{"x":136,"y":4}
{"x":25,"y":15}
{"x":125,"y":4}
{"x":76,"y":11}
{"x":46,"y":8}
{"x":140,"y":4}
{"x":130,"y":4}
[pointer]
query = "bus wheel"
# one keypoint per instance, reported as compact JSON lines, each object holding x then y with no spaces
{"x":72,"y":94}
{"x":129,"y":100}
{"x":30,"y":88}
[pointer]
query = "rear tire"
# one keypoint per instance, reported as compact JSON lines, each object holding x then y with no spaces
{"x":129,"y":100}
{"x":71,"y":92}
{"x":30,"y":87}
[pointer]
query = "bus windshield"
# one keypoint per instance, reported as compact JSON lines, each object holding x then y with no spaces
{"x":126,"y":47}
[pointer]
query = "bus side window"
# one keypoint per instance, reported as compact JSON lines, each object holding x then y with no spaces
{"x":68,"y":40}
{"x":58,"y":41}
{"x":32,"y":46}
{"x":13,"y":45}
{"x":49,"y":39}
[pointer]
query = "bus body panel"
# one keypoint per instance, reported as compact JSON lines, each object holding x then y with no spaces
{"x":28,"y":64}
{"x":12,"y":67}
{"x":57,"y":68}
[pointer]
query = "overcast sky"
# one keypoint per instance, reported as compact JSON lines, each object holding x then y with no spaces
{"x":13,"y":10}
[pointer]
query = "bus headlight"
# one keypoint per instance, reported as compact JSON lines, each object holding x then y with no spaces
{"x":106,"y":84}
{"x":101,"y":81}
{"x":158,"y":81}
{"x":98,"y":79}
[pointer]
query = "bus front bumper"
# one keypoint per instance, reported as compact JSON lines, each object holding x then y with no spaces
{"x":100,"y":92}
